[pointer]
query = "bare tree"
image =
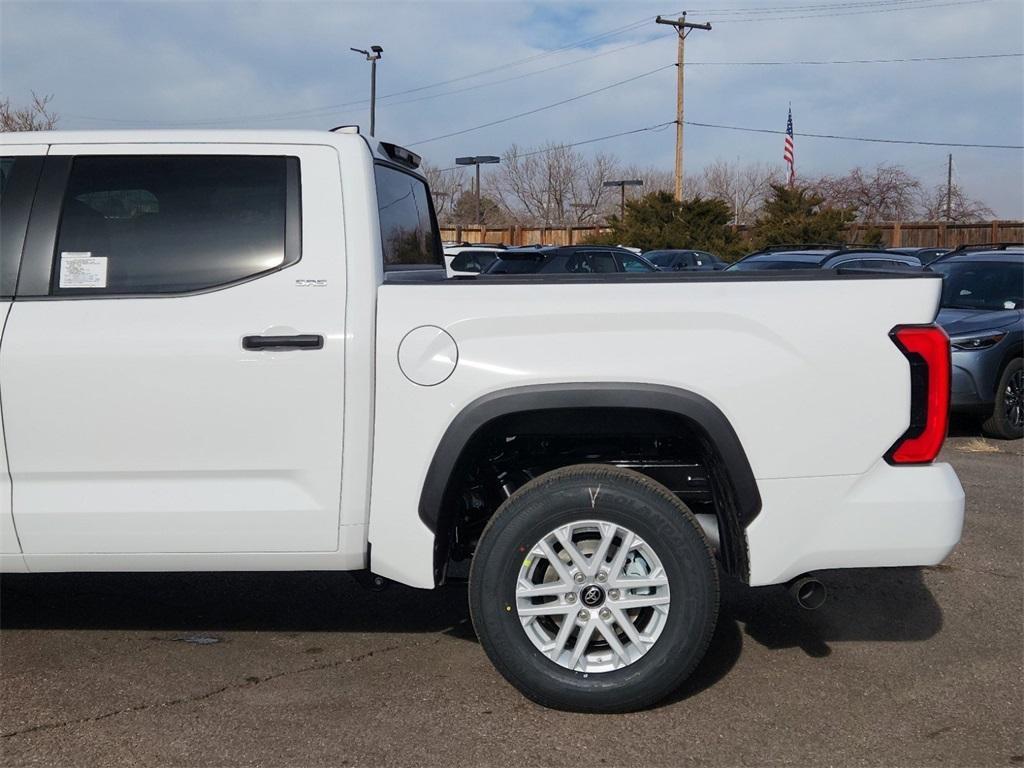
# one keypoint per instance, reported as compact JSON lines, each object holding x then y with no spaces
{"x":36,"y":116}
{"x":654,"y":180}
{"x":554,"y":186}
{"x":887,"y":193}
{"x":447,"y":185}
{"x":962,"y":208}
{"x":744,"y":187}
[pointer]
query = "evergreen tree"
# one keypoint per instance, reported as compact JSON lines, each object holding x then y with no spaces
{"x":795,"y":215}
{"x":657,"y":220}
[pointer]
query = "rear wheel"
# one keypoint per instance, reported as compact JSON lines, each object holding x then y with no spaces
{"x":1007,"y":419}
{"x":593,"y":589}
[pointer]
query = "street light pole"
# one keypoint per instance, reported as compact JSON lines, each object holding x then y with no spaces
{"x":372,"y":56}
{"x":622,"y":184}
{"x":477,"y":160}
{"x":476,"y":216}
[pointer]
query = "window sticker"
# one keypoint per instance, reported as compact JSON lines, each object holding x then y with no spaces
{"x":80,"y":269}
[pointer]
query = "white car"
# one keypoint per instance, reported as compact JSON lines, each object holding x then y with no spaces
{"x":205,"y":366}
{"x":470,"y":260}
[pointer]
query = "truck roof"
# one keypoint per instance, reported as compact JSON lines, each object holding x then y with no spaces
{"x":381,"y":149}
{"x":175,"y":136}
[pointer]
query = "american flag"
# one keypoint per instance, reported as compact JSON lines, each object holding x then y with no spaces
{"x":787,"y":150}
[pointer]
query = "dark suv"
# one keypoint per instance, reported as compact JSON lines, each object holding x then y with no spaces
{"x":571,"y":259}
{"x":983,"y":313}
{"x":824,"y":256}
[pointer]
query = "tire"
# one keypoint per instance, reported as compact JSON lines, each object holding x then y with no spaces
{"x":1007,"y":419}
{"x":672,"y":618}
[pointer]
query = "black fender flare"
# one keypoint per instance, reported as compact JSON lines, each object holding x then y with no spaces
{"x":735,"y":486}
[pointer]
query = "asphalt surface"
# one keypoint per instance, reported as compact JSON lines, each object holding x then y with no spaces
{"x":901,"y":667}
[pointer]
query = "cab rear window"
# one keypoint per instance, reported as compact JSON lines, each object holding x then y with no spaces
{"x":408,"y":227}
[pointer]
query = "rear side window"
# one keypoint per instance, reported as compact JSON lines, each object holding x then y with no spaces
{"x":468,"y":261}
{"x":631,"y":263}
{"x":155,"y":224}
{"x":591,"y":262}
{"x":408,"y":228}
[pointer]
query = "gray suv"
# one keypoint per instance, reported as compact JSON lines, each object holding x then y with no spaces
{"x":983,"y":313}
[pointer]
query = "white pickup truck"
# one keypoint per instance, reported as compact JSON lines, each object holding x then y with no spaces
{"x":235,"y":351}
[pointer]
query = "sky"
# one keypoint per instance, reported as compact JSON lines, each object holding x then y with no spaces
{"x":449,"y":66}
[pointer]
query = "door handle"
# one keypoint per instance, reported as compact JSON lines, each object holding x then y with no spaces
{"x":301,"y":341}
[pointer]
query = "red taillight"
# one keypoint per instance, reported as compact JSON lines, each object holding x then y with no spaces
{"x":927,"y":350}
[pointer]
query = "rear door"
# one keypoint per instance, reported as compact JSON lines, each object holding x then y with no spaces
{"x":19,"y":171}
{"x":173,"y":366}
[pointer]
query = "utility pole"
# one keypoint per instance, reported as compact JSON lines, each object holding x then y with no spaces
{"x":622,"y":184}
{"x":949,"y":189}
{"x":683,"y":28}
{"x":372,"y":56}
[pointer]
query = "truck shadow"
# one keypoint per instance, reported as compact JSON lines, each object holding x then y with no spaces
{"x":868,"y":605}
{"x":865,"y":605}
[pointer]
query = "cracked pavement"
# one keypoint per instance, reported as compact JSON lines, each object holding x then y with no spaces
{"x":901,"y":666}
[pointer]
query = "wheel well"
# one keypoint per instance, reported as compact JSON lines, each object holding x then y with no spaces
{"x":490,"y":455}
{"x":1011,"y":355}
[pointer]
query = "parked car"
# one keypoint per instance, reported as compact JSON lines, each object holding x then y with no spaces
{"x":204,"y":368}
{"x":983,"y":313}
{"x":926,"y":255}
{"x":785,"y":257}
{"x":672,"y":260}
{"x":470,"y":260}
{"x":573,"y":259}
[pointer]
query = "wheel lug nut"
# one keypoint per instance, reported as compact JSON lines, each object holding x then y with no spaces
{"x":613,"y":594}
{"x":602,"y":577}
{"x":584,"y":616}
{"x":579,"y":578}
{"x":605,"y":614}
{"x":570,"y":597}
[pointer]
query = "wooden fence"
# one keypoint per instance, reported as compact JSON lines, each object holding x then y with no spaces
{"x":921,"y":234}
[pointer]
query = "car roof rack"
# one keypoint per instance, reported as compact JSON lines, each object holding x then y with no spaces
{"x":961,"y":250}
{"x":802,"y":247}
{"x":879,"y":249}
{"x":984,"y":247}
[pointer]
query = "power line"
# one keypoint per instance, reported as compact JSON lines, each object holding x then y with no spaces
{"x":545,"y":150}
{"x":803,"y":134}
{"x":703,"y":125}
{"x":332,"y":109}
{"x":823,"y":7}
{"x":829,"y":15}
{"x":540,"y":109}
{"x":915,"y":59}
{"x":328,"y":110}
{"x":316,"y":111}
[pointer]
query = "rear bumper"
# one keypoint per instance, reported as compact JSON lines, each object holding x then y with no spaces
{"x":889,"y":516}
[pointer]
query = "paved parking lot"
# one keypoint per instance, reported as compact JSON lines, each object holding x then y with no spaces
{"x":901,"y":667}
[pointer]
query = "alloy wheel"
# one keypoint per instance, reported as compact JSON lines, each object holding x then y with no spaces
{"x":592,"y":596}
